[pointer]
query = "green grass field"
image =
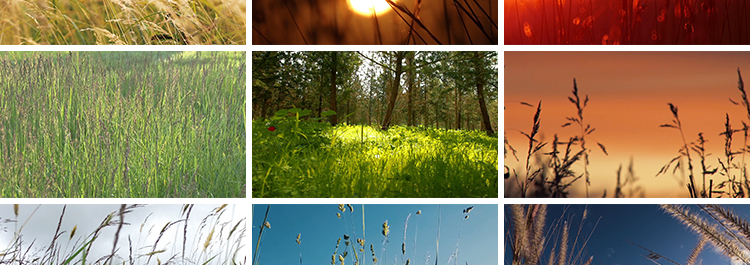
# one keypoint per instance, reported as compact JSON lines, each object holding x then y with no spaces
{"x":122,"y":124}
{"x":310,"y":159}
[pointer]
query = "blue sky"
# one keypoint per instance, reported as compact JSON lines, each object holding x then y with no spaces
{"x":319,"y":229}
{"x":612,"y":228}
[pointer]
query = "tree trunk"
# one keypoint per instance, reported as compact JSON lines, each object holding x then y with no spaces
{"x":425,"y":117}
{"x":347,"y":110}
{"x":480,"y":94}
{"x":332,"y":100}
{"x":410,"y":100}
{"x":458,"y":109}
{"x":320,"y":104}
{"x":395,"y":89}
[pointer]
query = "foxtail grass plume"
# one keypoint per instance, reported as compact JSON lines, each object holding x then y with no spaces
{"x":385,"y":228}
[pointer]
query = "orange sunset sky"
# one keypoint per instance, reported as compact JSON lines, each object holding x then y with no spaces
{"x":628,"y":93}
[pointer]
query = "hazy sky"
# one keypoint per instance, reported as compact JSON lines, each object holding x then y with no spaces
{"x":42,"y":220}
{"x":612,"y":228}
{"x":319,"y":229}
{"x":628,"y":93}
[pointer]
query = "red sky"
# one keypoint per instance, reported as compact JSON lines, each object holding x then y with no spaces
{"x":628,"y":92}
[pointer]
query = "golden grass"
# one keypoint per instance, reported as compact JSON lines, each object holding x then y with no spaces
{"x":135,"y":22}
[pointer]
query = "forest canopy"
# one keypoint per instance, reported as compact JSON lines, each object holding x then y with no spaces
{"x":453,"y":90}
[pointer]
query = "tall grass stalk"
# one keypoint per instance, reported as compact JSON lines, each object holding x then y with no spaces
{"x":531,"y":236}
{"x":684,"y":151}
{"x":158,"y":22}
{"x":92,"y":248}
{"x":587,"y":130}
{"x":122,"y":124}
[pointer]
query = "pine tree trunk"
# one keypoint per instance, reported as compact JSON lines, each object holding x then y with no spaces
{"x":332,"y":100}
{"x":480,"y":94}
{"x":395,"y":89}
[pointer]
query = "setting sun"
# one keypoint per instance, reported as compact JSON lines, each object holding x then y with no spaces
{"x":365,"y":7}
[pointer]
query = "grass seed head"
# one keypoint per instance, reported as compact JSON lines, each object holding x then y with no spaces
{"x":267,"y":224}
{"x":211,"y":235}
{"x":73,"y":232}
{"x":15,"y":209}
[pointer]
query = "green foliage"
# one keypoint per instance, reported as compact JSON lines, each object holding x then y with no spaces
{"x":293,"y":158}
{"x":115,"y":124}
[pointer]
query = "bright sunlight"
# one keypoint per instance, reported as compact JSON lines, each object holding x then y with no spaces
{"x":365,"y":7}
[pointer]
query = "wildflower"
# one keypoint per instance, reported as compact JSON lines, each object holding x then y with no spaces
{"x":272,"y":128}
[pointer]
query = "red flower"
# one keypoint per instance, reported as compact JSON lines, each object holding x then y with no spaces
{"x":272,"y":128}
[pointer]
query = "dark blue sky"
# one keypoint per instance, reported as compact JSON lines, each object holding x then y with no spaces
{"x":320,"y":228}
{"x":618,"y":225}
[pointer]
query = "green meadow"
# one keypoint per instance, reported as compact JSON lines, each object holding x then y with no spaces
{"x":311,"y":159}
{"x":122,"y":124}
{"x":404,"y":124}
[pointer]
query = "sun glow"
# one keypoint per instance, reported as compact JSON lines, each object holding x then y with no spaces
{"x":365,"y":7}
